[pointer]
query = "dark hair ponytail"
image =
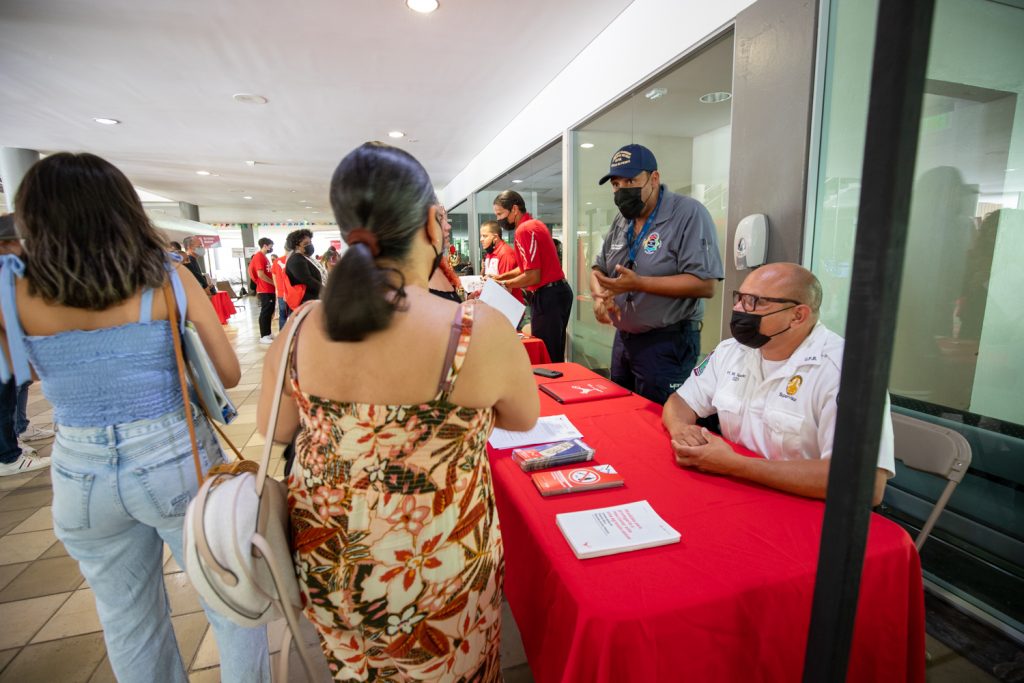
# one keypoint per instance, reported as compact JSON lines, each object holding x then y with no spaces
{"x":384,"y":190}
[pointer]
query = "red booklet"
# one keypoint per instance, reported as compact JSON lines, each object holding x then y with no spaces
{"x":576,"y":479}
{"x":580,"y":390}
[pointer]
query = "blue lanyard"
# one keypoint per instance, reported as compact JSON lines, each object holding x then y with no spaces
{"x":633,"y":241}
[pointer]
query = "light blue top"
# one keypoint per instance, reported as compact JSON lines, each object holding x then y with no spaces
{"x":96,"y":378}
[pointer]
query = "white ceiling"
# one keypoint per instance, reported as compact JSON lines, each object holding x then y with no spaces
{"x":336,"y":73}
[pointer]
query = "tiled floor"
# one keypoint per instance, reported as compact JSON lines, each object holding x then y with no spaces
{"x":49,"y":631}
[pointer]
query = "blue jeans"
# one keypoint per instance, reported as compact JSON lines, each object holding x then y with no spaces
{"x":283,"y":311}
{"x":13,"y":420}
{"x":119,"y":493}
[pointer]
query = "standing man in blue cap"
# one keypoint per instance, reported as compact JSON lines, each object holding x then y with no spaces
{"x":659,"y":259}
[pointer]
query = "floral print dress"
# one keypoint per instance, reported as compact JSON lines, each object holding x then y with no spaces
{"x":395,"y":534}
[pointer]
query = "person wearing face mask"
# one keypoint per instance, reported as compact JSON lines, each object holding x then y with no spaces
{"x":538,"y":270}
{"x":301,"y":268}
{"x":259,"y":272}
{"x":394,"y":392}
{"x":196,"y":252}
{"x":499,"y":257}
{"x":773,"y":387}
{"x":658,"y":260}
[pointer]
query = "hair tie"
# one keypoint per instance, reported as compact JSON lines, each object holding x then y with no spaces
{"x":363,"y":236}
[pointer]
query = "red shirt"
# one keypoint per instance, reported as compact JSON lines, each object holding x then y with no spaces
{"x":260,"y":262}
{"x":502,"y":260}
{"x":536,"y":250}
{"x":277,"y":272}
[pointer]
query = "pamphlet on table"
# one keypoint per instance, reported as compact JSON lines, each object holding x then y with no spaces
{"x":552,"y":455}
{"x":581,"y":390}
{"x":547,"y":430}
{"x":615,"y":529}
{"x":576,"y":479}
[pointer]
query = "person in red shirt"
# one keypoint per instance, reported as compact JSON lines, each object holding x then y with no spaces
{"x":538,"y":271}
{"x":281,"y":287}
{"x":499,"y":257}
{"x":259,"y":271}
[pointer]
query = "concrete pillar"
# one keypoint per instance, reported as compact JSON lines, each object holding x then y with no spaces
{"x":14,"y":164}
{"x":189,"y":211}
{"x":248,"y":241}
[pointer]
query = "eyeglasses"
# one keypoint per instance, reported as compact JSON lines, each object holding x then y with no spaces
{"x":752,"y":302}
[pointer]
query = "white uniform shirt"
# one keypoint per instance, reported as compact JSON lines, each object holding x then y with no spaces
{"x":787,"y":415}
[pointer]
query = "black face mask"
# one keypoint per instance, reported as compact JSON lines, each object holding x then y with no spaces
{"x":630,"y":201}
{"x":490,"y":249}
{"x":506,"y":222}
{"x":746,"y":328}
{"x":308,"y":250}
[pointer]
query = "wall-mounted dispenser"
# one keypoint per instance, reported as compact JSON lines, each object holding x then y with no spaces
{"x":750,"y":244}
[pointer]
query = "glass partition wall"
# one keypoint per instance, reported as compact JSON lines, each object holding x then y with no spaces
{"x":957,"y":356}
{"x":684,"y":117}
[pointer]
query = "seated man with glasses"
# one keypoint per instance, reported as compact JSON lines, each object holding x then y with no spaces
{"x":773,"y":387}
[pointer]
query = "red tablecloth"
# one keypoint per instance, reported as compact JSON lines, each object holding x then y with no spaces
{"x":223,"y":306}
{"x":731,"y":602}
{"x":537,"y":351}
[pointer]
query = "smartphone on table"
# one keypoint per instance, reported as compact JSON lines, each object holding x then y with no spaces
{"x":544,"y":372}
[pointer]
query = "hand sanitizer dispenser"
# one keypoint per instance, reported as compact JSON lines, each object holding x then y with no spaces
{"x":750,"y":244}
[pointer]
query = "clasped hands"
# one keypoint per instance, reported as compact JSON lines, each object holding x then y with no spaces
{"x":705,"y":451}
{"x":605,"y":309}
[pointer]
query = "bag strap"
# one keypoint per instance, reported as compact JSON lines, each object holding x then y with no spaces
{"x":179,"y":356}
{"x":275,"y":408}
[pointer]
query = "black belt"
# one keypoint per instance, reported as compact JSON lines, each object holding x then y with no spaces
{"x":681,"y":326}
{"x":552,"y":284}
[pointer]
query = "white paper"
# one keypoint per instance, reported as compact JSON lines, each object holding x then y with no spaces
{"x":615,"y":529}
{"x":547,"y":430}
{"x":471,"y":283}
{"x":496,"y":296}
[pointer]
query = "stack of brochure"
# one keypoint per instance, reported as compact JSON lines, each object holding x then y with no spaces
{"x":552,"y":455}
{"x":616,"y":529}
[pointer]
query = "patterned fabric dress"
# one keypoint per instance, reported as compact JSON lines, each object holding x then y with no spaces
{"x":396,"y":536}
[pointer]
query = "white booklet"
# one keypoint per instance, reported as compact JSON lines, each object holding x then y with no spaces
{"x":471,"y":283}
{"x":547,"y":430}
{"x":496,"y":296}
{"x":616,"y":529}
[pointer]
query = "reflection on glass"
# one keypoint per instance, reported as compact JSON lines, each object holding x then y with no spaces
{"x":959,"y":331}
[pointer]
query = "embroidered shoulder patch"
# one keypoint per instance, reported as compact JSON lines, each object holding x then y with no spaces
{"x":703,"y":364}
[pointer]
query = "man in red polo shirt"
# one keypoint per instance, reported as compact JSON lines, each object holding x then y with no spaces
{"x":539,"y":271}
{"x":259,"y":271}
{"x":499,"y":257}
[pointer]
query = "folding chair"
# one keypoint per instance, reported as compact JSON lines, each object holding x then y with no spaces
{"x":928,"y":447}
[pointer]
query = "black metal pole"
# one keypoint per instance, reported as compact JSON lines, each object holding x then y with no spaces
{"x":894,"y":110}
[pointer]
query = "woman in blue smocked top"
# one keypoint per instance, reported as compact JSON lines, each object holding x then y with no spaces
{"x":81,"y":315}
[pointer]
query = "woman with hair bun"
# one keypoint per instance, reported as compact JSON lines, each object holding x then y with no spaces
{"x":395,"y":532}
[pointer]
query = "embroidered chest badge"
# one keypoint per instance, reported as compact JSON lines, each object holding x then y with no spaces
{"x":652,"y":243}
{"x":794,"y":385}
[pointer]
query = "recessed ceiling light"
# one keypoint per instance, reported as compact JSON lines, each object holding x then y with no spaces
{"x":292,"y":191}
{"x":250,"y":162}
{"x":246,"y":197}
{"x":655,"y":93}
{"x":396,"y":134}
{"x":589,"y":203}
{"x":587,"y":145}
{"x":107,"y":122}
{"x":421,"y":6}
{"x":517,"y":181}
{"x":715,"y":97}
{"x":1010,"y":170}
{"x":249,"y":98}
{"x":316,"y":212}
{"x":202,"y":173}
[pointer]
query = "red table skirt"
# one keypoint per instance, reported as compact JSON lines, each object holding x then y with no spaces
{"x":730,"y":602}
{"x":223,"y":306}
{"x":536,"y":350}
